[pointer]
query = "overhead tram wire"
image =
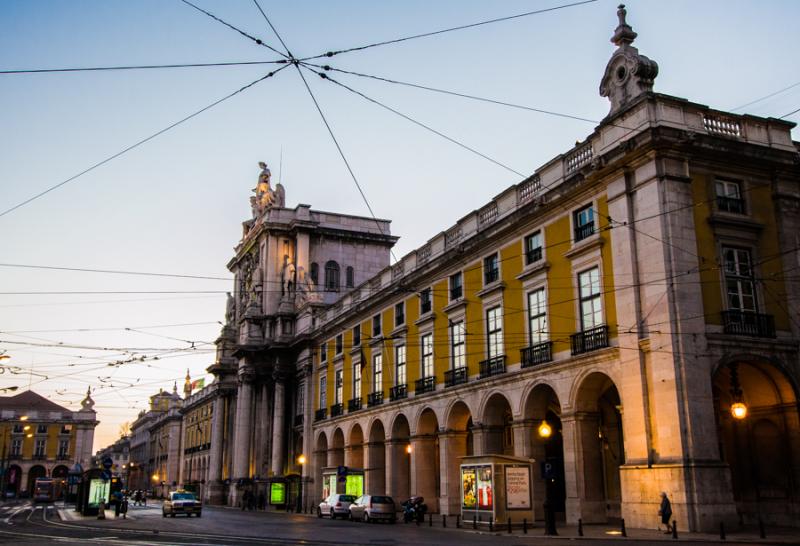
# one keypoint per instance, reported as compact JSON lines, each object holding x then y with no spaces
{"x":451,"y":29}
{"x":765,"y":97}
{"x":117,"y":272}
{"x":419,"y":123}
{"x":330,"y":131}
{"x":789,"y":114}
{"x":240,"y":31}
{"x":136,"y":67}
{"x":143,"y":141}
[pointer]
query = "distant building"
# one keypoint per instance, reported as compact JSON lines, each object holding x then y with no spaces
{"x":119,"y":453}
{"x":39,"y":438}
{"x":197,"y":415}
{"x":155,"y":444}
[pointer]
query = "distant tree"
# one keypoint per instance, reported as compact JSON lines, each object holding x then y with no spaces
{"x":124,"y":429}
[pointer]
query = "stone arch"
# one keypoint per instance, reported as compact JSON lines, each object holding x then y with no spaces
{"x":375,"y":459}
{"x":336,"y":449}
{"x":354,"y":452}
{"x":398,"y":479}
{"x":425,"y":464}
{"x":36,"y":471}
{"x":542,"y":439}
{"x":13,"y":479}
{"x":332,"y":281}
{"x":459,"y":415}
{"x":60,"y":471}
{"x":760,"y":448}
{"x":320,"y":462}
{"x":496,"y":425}
{"x":599,"y":435}
{"x":427,"y":422}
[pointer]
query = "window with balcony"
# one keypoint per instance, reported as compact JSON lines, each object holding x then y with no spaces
{"x":457,"y":345}
{"x":339,"y":343}
{"x":741,"y":316}
{"x":427,"y":355}
{"x":494,"y":331}
{"x":456,"y":286}
{"x":323,"y":352}
{"x":339,"y":391}
{"x":533,"y":248}
{"x":63,"y":449}
{"x":400,"y":314}
{"x":376,"y":326}
{"x":41,"y":429}
{"x":583,"y":222}
{"x":377,"y":373}
{"x":323,"y":392}
{"x":491,"y":269}
{"x":537,"y":316}
{"x":400,"y":364}
{"x":18,"y":429}
{"x":591,"y":302}
{"x":356,"y":335}
{"x":729,"y":196}
{"x":425,"y":301}
{"x":357,"y":380}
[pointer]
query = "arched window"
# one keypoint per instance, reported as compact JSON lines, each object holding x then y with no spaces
{"x":351,"y":278}
{"x":314,"y":273}
{"x":332,"y":276}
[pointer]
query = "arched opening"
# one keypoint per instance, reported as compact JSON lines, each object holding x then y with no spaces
{"x":13,"y":477}
{"x":354,"y":453}
{"x":545,"y":443}
{"x":598,"y":430}
{"x":497,"y":430}
{"x":35,"y":472}
{"x":458,"y":442}
{"x":399,"y":479}
{"x":765,"y":469}
{"x":375,"y":471}
{"x":336,"y":451}
{"x":314,"y":273}
{"x":320,"y":462}
{"x":331,"y":276}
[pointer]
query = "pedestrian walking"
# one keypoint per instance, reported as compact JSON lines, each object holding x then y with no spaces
{"x":665,"y":511}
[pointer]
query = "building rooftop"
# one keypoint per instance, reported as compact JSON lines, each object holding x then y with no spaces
{"x":30,"y":401}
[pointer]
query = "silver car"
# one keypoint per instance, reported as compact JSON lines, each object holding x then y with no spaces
{"x":369,"y":508}
{"x":335,"y":505}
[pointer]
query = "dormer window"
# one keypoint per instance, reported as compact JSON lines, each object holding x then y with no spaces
{"x":729,"y":196}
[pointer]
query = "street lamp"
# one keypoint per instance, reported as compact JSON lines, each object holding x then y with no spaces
{"x":409,"y":449}
{"x":545,"y":430}
{"x":301,"y":459}
{"x":738,"y":407}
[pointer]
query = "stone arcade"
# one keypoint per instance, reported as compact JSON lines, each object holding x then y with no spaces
{"x":602,"y":316}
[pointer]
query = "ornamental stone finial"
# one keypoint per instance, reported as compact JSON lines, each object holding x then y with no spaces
{"x":87,"y":404}
{"x":628,"y":73}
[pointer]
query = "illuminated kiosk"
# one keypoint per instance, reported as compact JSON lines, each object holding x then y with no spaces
{"x":93,"y":492}
{"x":342,"y":479}
{"x":495,"y":488}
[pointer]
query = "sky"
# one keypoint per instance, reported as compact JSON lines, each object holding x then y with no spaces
{"x":174,"y":205}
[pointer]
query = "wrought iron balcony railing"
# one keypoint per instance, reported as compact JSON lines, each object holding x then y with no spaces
{"x":425,"y":384}
{"x":537,"y":354}
{"x":398,"y":392}
{"x":730,"y":204}
{"x":321,"y":414}
{"x":354,"y":404}
{"x":533,"y":255}
{"x":337,"y":410}
{"x":589,"y":340}
{"x":456,"y":376}
{"x":745,"y":323}
{"x":583,"y":231}
{"x":375,"y":399}
{"x":491,"y":275}
{"x":493,"y":366}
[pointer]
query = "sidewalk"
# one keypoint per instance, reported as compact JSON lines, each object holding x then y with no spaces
{"x":69,"y":513}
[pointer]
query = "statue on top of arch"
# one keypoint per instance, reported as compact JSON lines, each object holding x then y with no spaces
{"x":265,"y":197}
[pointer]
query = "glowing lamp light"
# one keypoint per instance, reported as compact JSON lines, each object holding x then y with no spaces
{"x":155,"y":477}
{"x":29,"y":435}
{"x":739,"y":410}
{"x":301,"y":459}
{"x":545,"y":430}
{"x":26,"y":427}
{"x":408,"y":449}
{"x":23,"y":418}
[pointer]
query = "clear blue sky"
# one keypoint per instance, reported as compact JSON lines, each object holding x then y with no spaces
{"x":175,"y":204}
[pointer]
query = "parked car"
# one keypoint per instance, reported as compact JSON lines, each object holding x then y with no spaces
{"x":369,"y":508}
{"x":181,"y":502}
{"x":335,"y":505}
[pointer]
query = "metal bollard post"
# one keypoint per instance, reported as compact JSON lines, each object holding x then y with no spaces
{"x":509,"y":525}
{"x":491,"y":524}
{"x":458,"y":521}
{"x":525,"y":526}
{"x":444,"y":520}
{"x":416,"y":519}
{"x":674,"y":529}
{"x":580,"y":527}
{"x":722,"y":530}
{"x":549,"y":520}
{"x":474,"y":522}
{"x":622,"y":527}
{"x":762,"y":532}
{"x":430,"y":520}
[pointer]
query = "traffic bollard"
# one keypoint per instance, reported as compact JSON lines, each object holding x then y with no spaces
{"x":525,"y":526}
{"x":580,"y":527}
{"x":509,"y":525}
{"x":762,"y":532}
{"x":430,"y":520}
{"x":549,"y":520}
{"x":474,"y":522}
{"x":458,"y":521}
{"x":674,"y":529}
{"x":622,"y":528}
{"x":444,"y":520}
{"x":491,"y":524}
{"x":722,"y":530}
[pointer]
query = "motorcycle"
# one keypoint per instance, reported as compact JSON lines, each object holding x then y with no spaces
{"x":414,"y":509}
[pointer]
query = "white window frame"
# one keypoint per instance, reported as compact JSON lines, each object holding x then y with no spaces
{"x":427,"y":361}
{"x":494,"y":332}
{"x":537,"y":316}
{"x":458,"y":344}
{"x":594,"y":299}
{"x":338,"y":384}
{"x":357,"y":380}
{"x":734,"y":276}
{"x":400,"y":365}
{"x":377,"y":372}
{"x":323,"y":391}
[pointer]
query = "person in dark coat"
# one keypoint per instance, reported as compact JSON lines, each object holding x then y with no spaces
{"x":665,"y":511}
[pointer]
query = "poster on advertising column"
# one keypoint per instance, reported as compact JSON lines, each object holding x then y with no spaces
{"x":518,"y":487}
{"x":468,"y":497}
{"x":485,"y":491}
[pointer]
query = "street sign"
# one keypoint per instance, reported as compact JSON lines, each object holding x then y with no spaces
{"x":107,"y":462}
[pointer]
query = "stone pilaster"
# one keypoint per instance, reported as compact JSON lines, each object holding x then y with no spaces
{"x":214,"y":493}
{"x":278,"y":427}
{"x":452,"y":446}
{"x":242,"y":429}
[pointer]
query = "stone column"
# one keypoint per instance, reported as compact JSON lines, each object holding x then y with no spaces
{"x":374,"y":468}
{"x":214,"y":492}
{"x":398,"y":469}
{"x":480,"y":437}
{"x":583,"y":468}
{"x":452,"y":446}
{"x":423,"y":469}
{"x":278,"y":432}
{"x":242,"y":429}
{"x":528,"y":445}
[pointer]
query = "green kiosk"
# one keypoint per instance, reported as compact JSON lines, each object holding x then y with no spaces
{"x":342,"y":479}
